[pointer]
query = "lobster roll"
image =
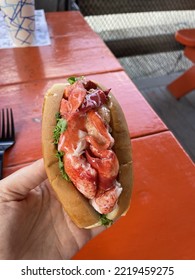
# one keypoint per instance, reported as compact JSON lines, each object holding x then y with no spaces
{"x":87,"y":152}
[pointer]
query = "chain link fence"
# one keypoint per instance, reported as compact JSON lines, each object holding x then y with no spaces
{"x":146,"y":29}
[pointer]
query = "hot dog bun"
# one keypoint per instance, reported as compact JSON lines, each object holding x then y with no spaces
{"x":74,"y":203}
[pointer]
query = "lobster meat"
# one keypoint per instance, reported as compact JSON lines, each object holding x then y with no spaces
{"x":89,"y":160}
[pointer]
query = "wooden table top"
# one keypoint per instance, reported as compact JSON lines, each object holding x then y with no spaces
{"x":159,"y":223}
{"x":78,"y":52}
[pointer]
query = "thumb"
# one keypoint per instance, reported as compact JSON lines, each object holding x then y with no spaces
{"x":17,"y":185}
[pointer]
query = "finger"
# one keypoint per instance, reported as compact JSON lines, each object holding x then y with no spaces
{"x":96,"y":231}
{"x":17,"y":185}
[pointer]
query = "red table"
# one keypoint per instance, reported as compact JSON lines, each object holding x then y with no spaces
{"x":160,"y":222}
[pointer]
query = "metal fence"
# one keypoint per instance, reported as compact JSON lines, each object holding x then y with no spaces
{"x":140,"y":33}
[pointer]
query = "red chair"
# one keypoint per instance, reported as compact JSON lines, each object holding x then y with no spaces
{"x":186,"y":82}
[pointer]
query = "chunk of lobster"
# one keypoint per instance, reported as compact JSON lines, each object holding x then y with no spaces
{"x":73,"y":138}
{"x":98,"y":134}
{"x":106,"y":164}
{"x":83,"y":176}
{"x":74,"y":88}
{"x":105,"y":202}
{"x":65,"y":108}
{"x":74,"y":96}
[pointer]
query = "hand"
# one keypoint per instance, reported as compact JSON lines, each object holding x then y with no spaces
{"x":33,"y":223}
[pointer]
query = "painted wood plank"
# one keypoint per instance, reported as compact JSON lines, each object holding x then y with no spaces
{"x":78,"y":53}
{"x":66,"y":24}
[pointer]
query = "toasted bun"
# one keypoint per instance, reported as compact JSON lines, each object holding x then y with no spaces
{"x":74,"y":203}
